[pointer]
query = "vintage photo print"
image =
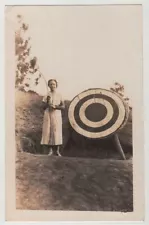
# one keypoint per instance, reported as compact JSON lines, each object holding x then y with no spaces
{"x":74,"y":113}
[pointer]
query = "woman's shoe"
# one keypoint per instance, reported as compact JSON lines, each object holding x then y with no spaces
{"x":58,"y":153}
{"x":50,"y":153}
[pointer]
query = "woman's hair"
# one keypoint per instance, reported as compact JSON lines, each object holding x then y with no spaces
{"x":54,"y":81}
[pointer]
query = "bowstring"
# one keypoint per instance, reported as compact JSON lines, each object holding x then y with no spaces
{"x":47,"y":88}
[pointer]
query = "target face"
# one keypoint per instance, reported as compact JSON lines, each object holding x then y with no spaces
{"x":97,"y":113}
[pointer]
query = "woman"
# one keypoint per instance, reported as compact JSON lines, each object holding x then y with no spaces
{"x":52,"y":121}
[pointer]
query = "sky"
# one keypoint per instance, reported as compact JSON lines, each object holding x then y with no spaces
{"x":86,"y":46}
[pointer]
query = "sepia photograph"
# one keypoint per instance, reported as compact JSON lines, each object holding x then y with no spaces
{"x":76,"y":82}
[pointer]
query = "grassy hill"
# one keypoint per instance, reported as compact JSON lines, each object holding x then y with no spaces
{"x":89,"y":178}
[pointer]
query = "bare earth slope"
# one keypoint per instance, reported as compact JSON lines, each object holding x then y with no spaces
{"x":73,"y":184}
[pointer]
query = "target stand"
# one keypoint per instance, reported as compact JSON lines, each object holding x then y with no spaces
{"x":97,"y":114}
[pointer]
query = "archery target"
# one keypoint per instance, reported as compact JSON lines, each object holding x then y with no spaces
{"x":97,"y":113}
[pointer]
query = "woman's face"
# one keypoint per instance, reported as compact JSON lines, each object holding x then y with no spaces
{"x":52,"y":85}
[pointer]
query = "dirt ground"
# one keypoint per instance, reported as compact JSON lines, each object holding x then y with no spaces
{"x":53,"y":183}
{"x":89,"y":178}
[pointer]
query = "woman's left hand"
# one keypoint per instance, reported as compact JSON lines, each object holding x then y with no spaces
{"x":53,"y":106}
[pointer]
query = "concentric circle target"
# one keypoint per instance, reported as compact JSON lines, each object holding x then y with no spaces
{"x":97,"y":113}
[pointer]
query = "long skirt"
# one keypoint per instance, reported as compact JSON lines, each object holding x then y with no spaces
{"x":52,"y":128}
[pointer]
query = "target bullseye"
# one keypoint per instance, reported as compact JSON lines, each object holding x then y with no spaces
{"x":107,"y":117}
{"x":97,"y":113}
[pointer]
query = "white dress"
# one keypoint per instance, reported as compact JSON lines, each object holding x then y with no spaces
{"x":52,"y":122}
